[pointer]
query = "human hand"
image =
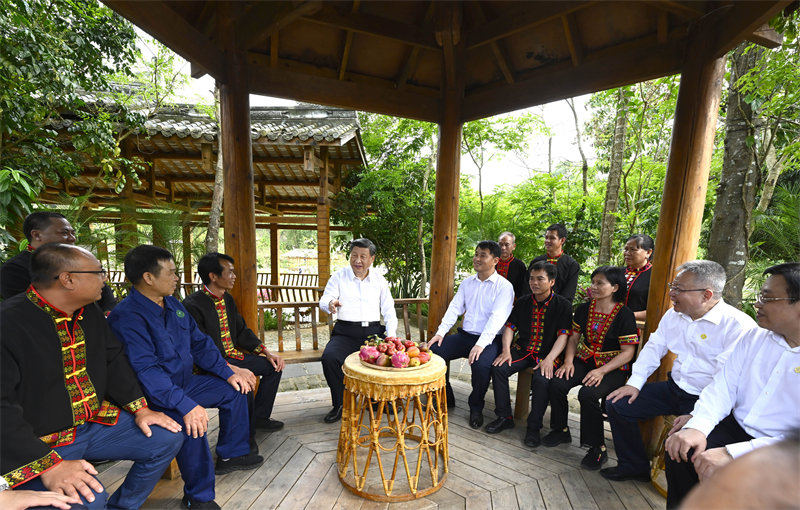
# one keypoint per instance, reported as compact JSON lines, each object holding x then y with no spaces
{"x":241,"y":382}
{"x":679,"y":444}
{"x":474,"y":354}
{"x":196,"y":422}
{"x":503,"y":357}
{"x":277,"y":362}
{"x":437,"y":339}
{"x":334,"y":305}
{"x":706,"y":463}
{"x":622,"y":392}
{"x":678,"y":423}
{"x":566,"y":370}
{"x":20,"y":500}
{"x":593,"y":378}
{"x":545,"y":367}
{"x":145,"y":417}
{"x":72,"y":478}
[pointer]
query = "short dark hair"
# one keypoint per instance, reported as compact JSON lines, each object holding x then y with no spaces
{"x":791,"y":274}
{"x":38,"y":220}
{"x":615,"y":276}
{"x":490,"y":246}
{"x":643,"y":242}
{"x":209,"y":263}
{"x":559,"y":229}
{"x":547,"y":267}
{"x":144,"y":259}
{"x":363,"y":242}
{"x":50,"y":260}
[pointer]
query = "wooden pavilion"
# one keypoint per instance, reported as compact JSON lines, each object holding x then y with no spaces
{"x":450,"y":62}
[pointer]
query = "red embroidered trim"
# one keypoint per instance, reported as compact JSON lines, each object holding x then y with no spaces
{"x":136,"y":405}
{"x":597,"y":326}
{"x":553,"y":260}
{"x":631,"y":274}
{"x":61,"y":438}
{"x":224,"y":329}
{"x":502,"y":267}
{"x":537,"y":324}
{"x":32,"y":469}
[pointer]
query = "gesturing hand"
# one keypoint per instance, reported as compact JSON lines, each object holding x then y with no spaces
{"x":334,"y":305}
{"x":196,"y":422}
{"x":73,"y":478}
{"x":146,"y":417}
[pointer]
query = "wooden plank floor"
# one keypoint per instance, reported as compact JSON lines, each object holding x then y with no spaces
{"x":486,"y":471}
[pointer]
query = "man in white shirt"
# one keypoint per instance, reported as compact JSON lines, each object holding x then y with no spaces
{"x":359,"y":297}
{"x":753,"y":401}
{"x":702,"y":330}
{"x":485,"y":299}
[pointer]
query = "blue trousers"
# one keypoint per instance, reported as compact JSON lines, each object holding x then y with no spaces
{"x":655,"y":399}
{"x":123,"y":441}
{"x":260,"y":405}
{"x":194,"y":458}
{"x":457,"y":346}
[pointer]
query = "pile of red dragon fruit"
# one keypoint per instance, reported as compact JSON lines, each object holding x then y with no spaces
{"x":394,"y":352}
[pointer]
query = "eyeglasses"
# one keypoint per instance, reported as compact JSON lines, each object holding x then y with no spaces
{"x":674,"y":288}
{"x":103,"y":272}
{"x":763,"y":300}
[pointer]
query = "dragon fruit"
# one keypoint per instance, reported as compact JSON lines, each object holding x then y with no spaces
{"x":369,"y":353}
{"x":400,"y":359}
{"x":424,"y":357}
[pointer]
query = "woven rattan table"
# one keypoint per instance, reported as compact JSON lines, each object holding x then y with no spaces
{"x":378,"y":448}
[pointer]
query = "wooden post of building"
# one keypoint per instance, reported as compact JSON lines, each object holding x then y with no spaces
{"x":684,"y":191}
{"x":125,"y":230}
{"x":445,"y":216}
{"x":187,"y":253}
{"x":323,"y":219}
{"x":238,"y":203}
{"x":274,"y":239}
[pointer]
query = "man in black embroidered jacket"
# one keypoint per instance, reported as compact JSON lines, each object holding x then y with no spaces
{"x":41,"y":227}
{"x":542,"y":320}
{"x":216,"y":315}
{"x":60,"y":362}
{"x":510,"y":268}
{"x":567,"y":268}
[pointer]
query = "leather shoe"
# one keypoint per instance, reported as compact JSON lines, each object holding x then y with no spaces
{"x":557,"y":437}
{"x":242,"y":463}
{"x":594,"y":458}
{"x":188,"y":502}
{"x":269,"y":425}
{"x":532,"y":439}
{"x":613,"y":473}
{"x":500,"y":425}
{"x":334,"y":415}
{"x":475,"y":420}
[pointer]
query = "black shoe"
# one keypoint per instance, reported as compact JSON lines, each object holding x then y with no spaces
{"x":188,"y":502}
{"x":475,"y":420}
{"x":613,"y":473}
{"x":557,"y":437}
{"x":253,"y":446}
{"x":500,"y":425}
{"x":243,"y":463}
{"x":594,"y":458}
{"x":334,"y":415}
{"x":532,"y":438}
{"x":269,"y":425}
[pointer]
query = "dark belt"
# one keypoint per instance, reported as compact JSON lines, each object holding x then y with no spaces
{"x":363,"y":324}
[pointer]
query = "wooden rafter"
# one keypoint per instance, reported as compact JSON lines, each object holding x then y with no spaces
{"x":683,"y":9}
{"x":500,"y":55}
{"x":727,"y":26}
{"x":410,"y":63}
{"x":267,"y":18}
{"x":348,"y":41}
{"x":573,"y":38}
{"x":662,"y":26}
{"x":766,"y":36}
{"x":273,"y":49}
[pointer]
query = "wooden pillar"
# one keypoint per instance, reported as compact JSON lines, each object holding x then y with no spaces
{"x":238,"y":205}
{"x":323,"y":214}
{"x":126,"y":230}
{"x":274,"y":239}
{"x":685,"y":188}
{"x":188,"y":270}
{"x":445,"y":216}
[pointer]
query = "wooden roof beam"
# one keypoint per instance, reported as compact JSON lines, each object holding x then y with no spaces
{"x":573,"y":38}
{"x":163,"y":23}
{"x":264,"y":160}
{"x":766,"y":36}
{"x":264,"y":19}
{"x":376,"y":26}
{"x":722,"y":29}
{"x":410,"y":63}
{"x":500,"y":56}
{"x":348,"y":41}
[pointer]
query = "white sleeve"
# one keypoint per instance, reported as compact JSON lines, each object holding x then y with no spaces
{"x":649,"y":358}
{"x":500,"y":312}
{"x":331,"y":292}
{"x":387,"y":310}
{"x":739,"y":449}
{"x":455,"y":309}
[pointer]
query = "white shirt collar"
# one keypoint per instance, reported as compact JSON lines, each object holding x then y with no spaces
{"x":713,"y":316}
{"x":352,"y":274}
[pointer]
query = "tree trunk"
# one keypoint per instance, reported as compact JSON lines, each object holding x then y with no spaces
{"x":584,"y":162}
{"x":774,"y":168}
{"x":614,"y":177}
{"x":738,"y":183}
{"x":212,"y":236}
{"x":420,"y":225}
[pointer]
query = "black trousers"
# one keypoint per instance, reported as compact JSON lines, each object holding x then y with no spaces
{"x":590,"y":397}
{"x":681,"y":476}
{"x":655,"y":399}
{"x":539,"y":384}
{"x":260,"y":405}
{"x":345,"y":340}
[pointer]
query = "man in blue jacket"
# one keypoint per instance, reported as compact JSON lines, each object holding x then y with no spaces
{"x":163,"y":343}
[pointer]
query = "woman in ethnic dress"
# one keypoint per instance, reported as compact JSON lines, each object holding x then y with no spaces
{"x":598,"y":355}
{"x":638,"y":254}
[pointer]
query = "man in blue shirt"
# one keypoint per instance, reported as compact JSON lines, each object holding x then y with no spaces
{"x":163,"y":343}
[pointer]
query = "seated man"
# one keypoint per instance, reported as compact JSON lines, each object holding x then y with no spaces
{"x":216,"y":314}
{"x":485,"y":299}
{"x":60,"y":364}
{"x":702,"y":330}
{"x":510,"y":268}
{"x":163,"y":343}
{"x":543,"y":320}
{"x":42,"y":227}
{"x":753,"y":400}
{"x":360,"y":297}
{"x":568,"y":269}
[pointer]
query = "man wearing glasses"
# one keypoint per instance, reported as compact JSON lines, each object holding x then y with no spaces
{"x":42,"y":227}
{"x":753,"y":401}
{"x":702,"y":330}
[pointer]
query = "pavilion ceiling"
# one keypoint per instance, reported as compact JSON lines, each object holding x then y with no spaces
{"x":392,"y":57}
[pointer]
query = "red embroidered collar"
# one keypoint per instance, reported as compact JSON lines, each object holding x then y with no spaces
{"x":554,"y":260}
{"x":56,"y":313}
{"x":503,"y":265}
{"x":213,"y":296}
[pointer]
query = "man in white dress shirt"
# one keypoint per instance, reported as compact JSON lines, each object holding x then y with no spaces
{"x":702,"y":330}
{"x":359,"y":297}
{"x":485,"y":299}
{"x":753,"y":401}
